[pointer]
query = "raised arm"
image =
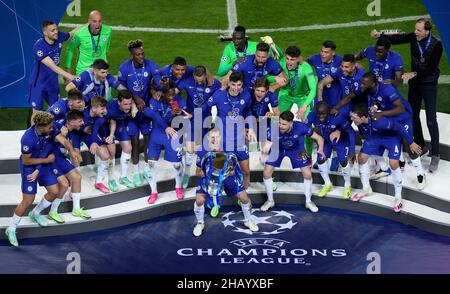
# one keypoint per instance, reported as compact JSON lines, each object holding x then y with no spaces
{"x":50,"y":64}
{"x":325,"y":81}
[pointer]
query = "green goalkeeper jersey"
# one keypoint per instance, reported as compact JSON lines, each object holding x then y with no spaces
{"x":89,"y":47}
{"x":230,"y":55}
{"x":301,"y":82}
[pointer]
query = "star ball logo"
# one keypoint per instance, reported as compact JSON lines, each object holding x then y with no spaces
{"x":270,"y":222}
{"x":260,"y":247}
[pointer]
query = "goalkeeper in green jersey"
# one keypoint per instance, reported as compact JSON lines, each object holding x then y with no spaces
{"x":92,"y":42}
{"x":300,"y":89}
{"x":237,"y":50}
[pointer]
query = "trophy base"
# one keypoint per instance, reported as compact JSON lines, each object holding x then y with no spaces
{"x":214,"y":211}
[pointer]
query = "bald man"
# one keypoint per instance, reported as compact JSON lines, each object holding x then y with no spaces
{"x":92,"y":42}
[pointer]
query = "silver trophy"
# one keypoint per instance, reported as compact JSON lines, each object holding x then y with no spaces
{"x":217,"y":166}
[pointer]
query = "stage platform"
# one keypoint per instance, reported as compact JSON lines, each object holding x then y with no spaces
{"x":428,"y":209}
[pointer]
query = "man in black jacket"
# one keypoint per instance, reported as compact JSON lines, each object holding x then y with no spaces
{"x":426,"y":52}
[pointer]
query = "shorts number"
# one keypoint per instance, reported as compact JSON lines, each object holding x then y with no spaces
{"x":179,"y":151}
{"x":396,"y":149}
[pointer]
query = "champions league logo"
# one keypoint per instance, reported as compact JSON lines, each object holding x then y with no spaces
{"x":270,"y":223}
{"x":262,"y":250}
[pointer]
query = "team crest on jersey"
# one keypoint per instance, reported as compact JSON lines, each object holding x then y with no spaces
{"x":242,"y":101}
{"x":224,"y":58}
{"x":356,"y":84}
{"x":25,"y":148}
{"x":380,"y":98}
{"x":207,"y":90}
{"x":210,"y":100}
{"x":56,"y":110}
{"x":295,"y":136}
{"x":333,"y":69}
{"x":145,"y":74}
{"x":386,"y":66}
{"x":55,"y":171}
{"x":266,"y":99}
{"x":30,"y":188}
{"x":104,"y":39}
{"x":78,"y":79}
{"x":40,"y":53}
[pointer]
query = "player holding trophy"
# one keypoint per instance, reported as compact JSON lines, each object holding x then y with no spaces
{"x":220,"y":175}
